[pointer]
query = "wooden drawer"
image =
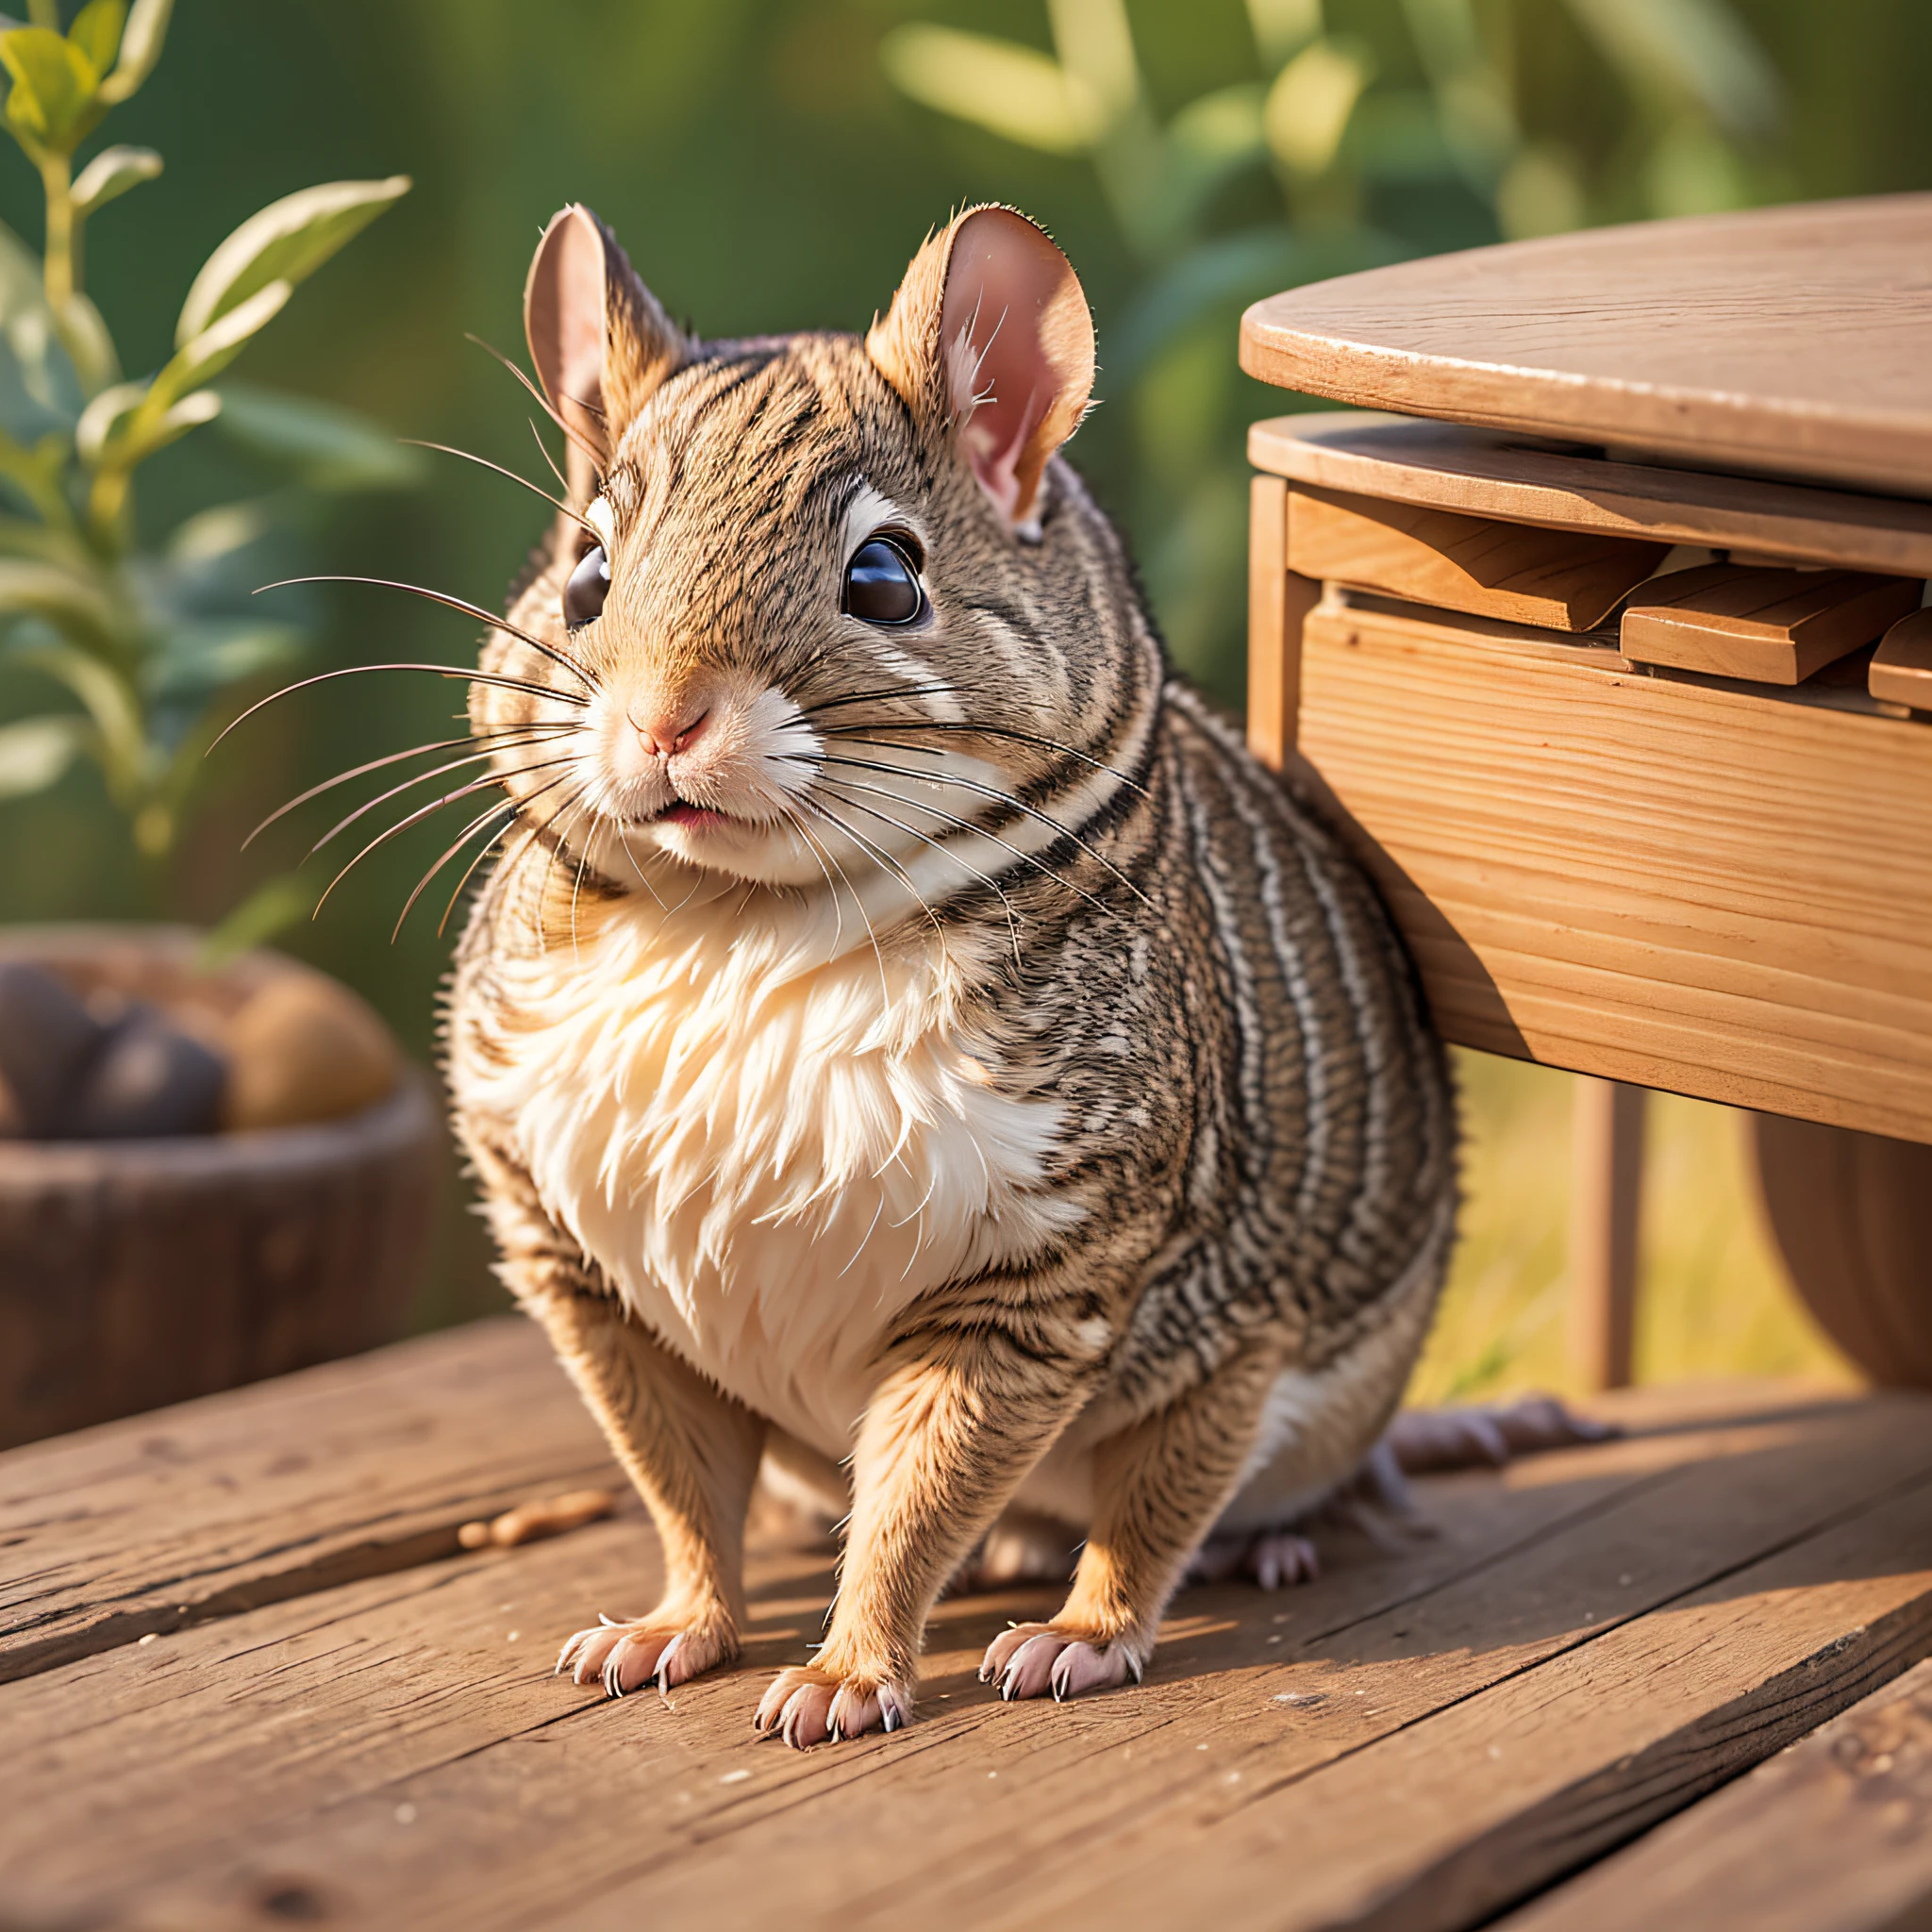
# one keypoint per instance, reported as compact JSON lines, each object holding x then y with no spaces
{"x":1679,"y":880}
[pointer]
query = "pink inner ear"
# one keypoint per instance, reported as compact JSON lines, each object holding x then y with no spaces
{"x":564,"y":318}
{"x":1019,"y":354}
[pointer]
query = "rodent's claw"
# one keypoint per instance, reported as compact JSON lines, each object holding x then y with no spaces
{"x":622,"y":1656}
{"x":806,"y":1706}
{"x":1032,"y":1659}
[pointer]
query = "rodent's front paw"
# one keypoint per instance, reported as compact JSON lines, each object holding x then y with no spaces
{"x":1031,"y":1659}
{"x":627,"y":1653}
{"x":806,"y":1706}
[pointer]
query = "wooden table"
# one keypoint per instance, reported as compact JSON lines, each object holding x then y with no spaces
{"x":1608,"y":647}
{"x":249,"y":1677}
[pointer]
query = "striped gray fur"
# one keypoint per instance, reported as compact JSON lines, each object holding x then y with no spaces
{"x":1149,"y":936}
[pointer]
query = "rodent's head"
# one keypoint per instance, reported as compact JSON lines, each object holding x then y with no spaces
{"x":829,"y":599}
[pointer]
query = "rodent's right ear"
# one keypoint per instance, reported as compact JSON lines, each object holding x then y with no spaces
{"x":989,"y":343}
{"x":599,"y":340}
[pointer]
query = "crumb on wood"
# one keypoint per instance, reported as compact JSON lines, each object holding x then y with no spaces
{"x":528,"y":1521}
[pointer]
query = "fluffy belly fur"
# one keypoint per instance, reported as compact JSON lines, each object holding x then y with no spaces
{"x":768,"y":1152}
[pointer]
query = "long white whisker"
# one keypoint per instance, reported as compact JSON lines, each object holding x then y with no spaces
{"x":994,"y":792}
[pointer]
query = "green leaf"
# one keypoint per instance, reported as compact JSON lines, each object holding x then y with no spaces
{"x":141,"y":47}
{"x":37,"y":751}
{"x":1014,"y":92}
{"x":53,"y":100}
{"x":1698,"y":48}
{"x":69,"y":603}
{"x":40,"y":389}
{"x":1283,"y":28}
{"x":112,"y":173}
{"x":96,"y":31}
{"x":209,"y":540}
{"x":275,"y":905}
{"x":286,"y":243}
{"x":197,"y":656}
{"x":128,"y":423}
{"x":328,"y":447}
{"x":90,"y":347}
{"x":104,"y":416}
{"x":156,"y":430}
{"x":1308,"y":107}
{"x":121,"y":743}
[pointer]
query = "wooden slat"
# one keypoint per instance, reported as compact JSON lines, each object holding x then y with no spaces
{"x":1832,"y":1835}
{"x":387,"y":1754}
{"x":1488,"y":473}
{"x":1783,"y":341}
{"x":1901,"y":672}
{"x":1557,"y":579}
{"x":1771,"y":626}
{"x":1647,"y":879}
{"x":1508,"y":1790}
{"x":215,"y":1506}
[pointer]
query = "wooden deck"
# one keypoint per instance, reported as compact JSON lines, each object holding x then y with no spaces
{"x":248,"y":1677}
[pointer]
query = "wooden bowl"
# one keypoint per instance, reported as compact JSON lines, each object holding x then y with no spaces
{"x":137,"y":1272}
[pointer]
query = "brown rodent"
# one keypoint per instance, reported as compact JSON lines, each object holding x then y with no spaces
{"x":905,"y":1026}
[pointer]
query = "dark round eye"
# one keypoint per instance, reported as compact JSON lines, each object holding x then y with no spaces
{"x":589,"y":583}
{"x":881,"y":585}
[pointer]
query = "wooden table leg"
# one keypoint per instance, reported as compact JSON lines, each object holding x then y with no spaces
{"x":1606,"y":1171}
{"x":1852,"y":1215}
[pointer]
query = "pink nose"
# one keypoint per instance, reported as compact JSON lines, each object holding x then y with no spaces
{"x":665,"y":731}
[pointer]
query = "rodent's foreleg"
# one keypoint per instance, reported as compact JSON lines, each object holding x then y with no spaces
{"x":693,"y":1455}
{"x":1158,"y":1488}
{"x":692,"y":1452}
{"x":947,"y":1439}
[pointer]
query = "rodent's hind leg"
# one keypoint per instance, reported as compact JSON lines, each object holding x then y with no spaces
{"x":1158,"y":1488}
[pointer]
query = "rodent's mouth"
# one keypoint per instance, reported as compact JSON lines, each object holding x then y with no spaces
{"x":680,"y":812}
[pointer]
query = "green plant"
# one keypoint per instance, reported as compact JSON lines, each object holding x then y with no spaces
{"x":143,"y":640}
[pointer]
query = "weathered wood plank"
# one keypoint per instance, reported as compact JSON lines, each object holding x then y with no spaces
{"x":1454,"y":1818}
{"x":215,"y":1506}
{"x":386,"y":1766}
{"x":1490,"y":473}
{"x":1834,"y":1835}
{"x":1676,"y":884}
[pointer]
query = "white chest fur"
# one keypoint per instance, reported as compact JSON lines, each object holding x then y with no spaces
{"x":769,"y":1151}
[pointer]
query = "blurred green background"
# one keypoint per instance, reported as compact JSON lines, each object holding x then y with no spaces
{"x":772,"y":164}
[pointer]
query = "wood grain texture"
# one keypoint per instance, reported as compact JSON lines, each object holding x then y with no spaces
{"x":1490,"y":473}
{"x":1768,"y":627}
{"x":1555,"y":579}
{"x":1589,"y":1640}
{"x":211,"y":1508}
{"x":1786,"y":341}
{"x":1657,"y":880}
{"x":1832,"y":1835}
{"x":1901,"y":672}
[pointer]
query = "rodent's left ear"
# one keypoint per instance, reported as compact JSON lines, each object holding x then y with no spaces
{"x":599,"y":340}
{"x":988,"y":338}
